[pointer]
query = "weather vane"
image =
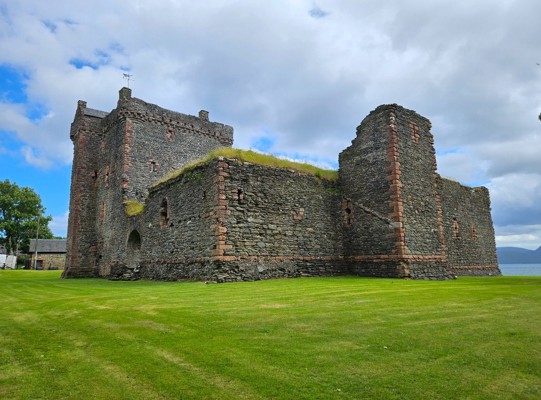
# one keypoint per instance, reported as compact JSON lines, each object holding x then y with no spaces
{"x":128,"y":77}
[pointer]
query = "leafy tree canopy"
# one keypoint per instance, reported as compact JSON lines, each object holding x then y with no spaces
{"x":20,"y":212}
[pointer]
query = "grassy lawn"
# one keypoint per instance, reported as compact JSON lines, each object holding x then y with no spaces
{"x":318,"y":338}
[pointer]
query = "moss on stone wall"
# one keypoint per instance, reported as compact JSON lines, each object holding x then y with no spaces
{"x":133,"y":207}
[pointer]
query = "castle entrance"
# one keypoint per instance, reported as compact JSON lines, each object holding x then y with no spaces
{"x":133,"y":248}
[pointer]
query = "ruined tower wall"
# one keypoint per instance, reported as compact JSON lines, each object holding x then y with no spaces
{"x":415,"y":175}
{"x":469,"y":232}
{"x":363,"y":177}
{"x":81,"y":247}
{"x":388,"y":177}
{"x":111,"y":219}
{"x":416,"y":202}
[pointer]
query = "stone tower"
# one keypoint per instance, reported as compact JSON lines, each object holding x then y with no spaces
{"x":118,"y":156}
{"x":391,"y":203}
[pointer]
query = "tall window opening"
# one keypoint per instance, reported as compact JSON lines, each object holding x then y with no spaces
{"x":456,"y":229}
{"x":164,"y":214}
{"x":134,"y":241}
{"x":240,"y":196}
{"x":133,"y":247}
{"x":347,"y":212}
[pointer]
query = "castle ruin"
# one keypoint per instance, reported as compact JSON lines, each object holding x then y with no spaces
{"x":389,"y":214}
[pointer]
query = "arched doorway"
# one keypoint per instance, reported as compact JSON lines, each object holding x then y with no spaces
{"x":133,"y":250}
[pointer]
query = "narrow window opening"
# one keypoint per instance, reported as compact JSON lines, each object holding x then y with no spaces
{"x":347,"y":212}
{"x":240,"y":196}
{"x":164,"y":214}
{"x":473,"y":232}
{"x":456,"y":229}
{"x":153,"y":166}
{"x":95,"y":175}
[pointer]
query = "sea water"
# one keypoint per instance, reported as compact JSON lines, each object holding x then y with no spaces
{"x":520,"y":269}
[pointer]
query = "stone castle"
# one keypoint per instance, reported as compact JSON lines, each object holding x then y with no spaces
{"x":389,"y":214}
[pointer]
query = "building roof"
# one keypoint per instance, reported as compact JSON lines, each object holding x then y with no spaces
{"x":95,"y":113}
{"x":48,"y":245}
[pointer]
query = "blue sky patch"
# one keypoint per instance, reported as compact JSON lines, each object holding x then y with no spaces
{"x":317,"y":13}
{"x":51,"y":184}
{"x":99,"y":59}
{"x":36,"y":111}
{"x":12,"y":85}
{"x":51,"y":26}
{"x":263,"y":143}
{"x":79,"y":63}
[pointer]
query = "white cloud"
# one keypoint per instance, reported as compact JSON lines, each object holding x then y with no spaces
{"x":526,"y":236}
{"x":34,"y":159}
{"x":59,"y":224}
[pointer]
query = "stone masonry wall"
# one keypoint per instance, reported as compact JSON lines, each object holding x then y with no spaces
{"x":278,"y":223}
{"x":416,"y":204}
{"x":126,"y":152}
{"x":160,"y":141}
{"x":50,"y":260}
{"x":227,"y":221}
{"x":178,"y":228}
{"x":81,"y":245}
{"x":363,"y":177}
{"x":111,"y":220}
{"x":468,"y":228}
{"x":390,"y":193}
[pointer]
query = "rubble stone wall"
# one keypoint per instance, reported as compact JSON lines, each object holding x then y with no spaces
{"x":469,"y":231}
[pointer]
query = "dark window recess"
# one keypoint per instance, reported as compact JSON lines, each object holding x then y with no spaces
{"x":95,"y":175}
{"x":456,"y":229}
{"x":164,"y":214}
{"x":134,"y":241}
{"x":347,"y":212}
{"x":240,"y":196}
{"x":153,"y":166}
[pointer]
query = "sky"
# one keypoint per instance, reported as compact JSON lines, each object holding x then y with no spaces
{"x":293,"y":77}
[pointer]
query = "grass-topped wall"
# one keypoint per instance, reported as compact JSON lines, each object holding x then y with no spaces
{"x":254,"y":158}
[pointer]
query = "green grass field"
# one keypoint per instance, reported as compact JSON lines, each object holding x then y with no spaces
{"x":314,"y":338}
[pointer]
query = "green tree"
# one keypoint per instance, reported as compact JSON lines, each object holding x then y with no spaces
{"x":20,"y":212}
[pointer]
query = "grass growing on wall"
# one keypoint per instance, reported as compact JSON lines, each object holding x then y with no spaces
{"x":255,"y":158}
{"x":133,"y":207}
{"x":318,"y":338}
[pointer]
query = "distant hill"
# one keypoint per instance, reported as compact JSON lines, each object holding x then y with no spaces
{"x":518,"y":255}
